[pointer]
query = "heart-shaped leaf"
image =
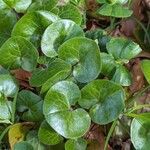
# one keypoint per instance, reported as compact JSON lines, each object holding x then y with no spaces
{"x":140,"y":133}
{"x":23,"y":145}
{"x":59,"y":114}
{"x":145,"y":64}
{"x":104,"y":98}
{"x":84,"y":55}
{"x":32,"y":25}
{"x":123,"y":49}
{"x":30,"y":105}
{"x":20,"y":6}
{"x":116,"y":10}
{"x":77,"y":144}
{"x":18,"y":52}
{"x":57,"y":33}
{"x":7,"y":21}
{"x":47,"y":135}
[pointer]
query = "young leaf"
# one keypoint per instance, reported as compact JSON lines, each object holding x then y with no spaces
{"x":104,"y":98}
{"x":116,"y":10}
{"x":30,"y":105}
{"x":47,"y":135}
{"x":57,"y":33}
{"x":17,"y":52}
{"x":32,"y":25}
{"x":84,"y":55}
{"x":76,"y":144}
{"x":123,"y":49}
{"x":145,"y":64}
{"x":23,"y":145}
{"x":7,"y":21}
{"x":59,"y":114}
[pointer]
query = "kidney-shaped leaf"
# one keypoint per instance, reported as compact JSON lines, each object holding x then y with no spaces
{"x":145,"y":64}
{"x":57,"y":33}
{"x":84,"y":55}
{"x":123,"y":49}
{"x":47,"y":135}
{"x":30,"y":105}
{"x":59,"y":114}
{"x":18,"y":52}
{"x":32,"y":25}
{"x":104,"y":98}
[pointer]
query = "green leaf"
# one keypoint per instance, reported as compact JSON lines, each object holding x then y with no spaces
{"x":7,"y":21}
{"x":59,"y":114}
{"x":104,"y":98}
{"x":84,"y":55}
{"x":20,"y":6}
{"x":145,"y":64}
{"x":123,"y":49}
{"x":8,"y":85}
{"x":140,"y":134}
{"x":5,"y":114}
{"x":57,"y":70}
{"x":113,"y":1}
{"x":116,"y":10}
{"x":71,"y":12}
{"x":76,"y":144}
{"x":32,"y":25}
{"x":30,"y":105}
{"x":23,"y":145}
{"x":122,"y":76}
{"x":17,"y":52}
{"x":47,"y":135}
{"x":57,"y":33}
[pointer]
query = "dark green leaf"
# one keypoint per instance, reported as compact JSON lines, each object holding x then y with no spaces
{"x":104,"y":98}
{"x":23,"y":145}
{"x":84,"y":55}
{"x":59,"y":114}
{"x":17,"y":52}
{"x":57,"y":33}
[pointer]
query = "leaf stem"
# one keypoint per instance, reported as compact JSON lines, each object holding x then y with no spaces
{"x":110,"y":133}
{"x":4,"y":132}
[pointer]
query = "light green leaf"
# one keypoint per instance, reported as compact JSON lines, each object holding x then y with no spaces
{"x":76,"y":144}
{"x":113,"y":1}
{"x":17,"y":52}
{"x":84,"y":55}
{"x":57,"y":70}
{"x":30,"y":105}
{"x":7,"y":21}
{"x":59,"y":114}
{"x":20,"y":6}
{"x":140,"y":134}
{"x":57,"y":33}
{"x":23,"y":145}
{"x":116,"y":10}
{"x":123,"y":49}
{"x":8,"y":86}
{"x":47,"y":135}
{"x":71,"y":12}
{"x":32,"y":25}
{"x":145,"y":64}
{"x":104,"y":98}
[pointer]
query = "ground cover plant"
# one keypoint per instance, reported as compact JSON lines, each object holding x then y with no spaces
{"x":74,"y":74}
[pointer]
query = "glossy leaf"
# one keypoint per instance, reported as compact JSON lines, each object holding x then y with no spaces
{"x":84,"y":55}
{"x":47,"y":135}
{"x":30,"y":105}
{"x":57,"y":33}
{"x":20,"y":6}
{"x":145,"y":64}
{"x":123,"y":49}
{"x":32,"y":25}
{"x":77,"y":144}
{"x":116,"y":10}
{"x":71,"y":12}
{"x":8,"y":85}
{"x":59,"y":114}
{"x":7,"y":21}
{"x":23,"y":145}
{"x":104,"y":98}
{"x":17,"y":52}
